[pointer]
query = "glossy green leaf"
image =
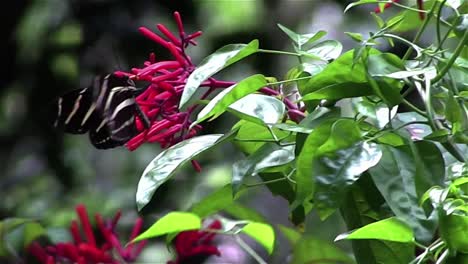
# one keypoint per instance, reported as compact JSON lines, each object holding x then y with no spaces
{"x":394,"y":176}
{"x":339,"y":71}
{"x":311,"y":250}
{"x":409,"y":20}
{"x":212,"y":64}
{"x":220,"y":103}
{"x":326,"y":50}
{"x":302,"y":39}
{"x":173,"y":222}
{"x":336,"y":170}
{"x":390,"y":229}
{"x":161,"y":168}
{"x":378,"y":114}
{"x":454,"y":231}
{"x":259,"y":108}
{"x":429,"y":164}
{"x":267,"y":156}
{"x":339,"y":91}
{"x":262,"y":233}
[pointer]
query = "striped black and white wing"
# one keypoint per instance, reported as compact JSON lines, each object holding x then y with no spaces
{"x":75,"y":111}
{"x":115,"y":101}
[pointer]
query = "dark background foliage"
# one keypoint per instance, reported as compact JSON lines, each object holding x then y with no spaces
{"x":52,"y":46}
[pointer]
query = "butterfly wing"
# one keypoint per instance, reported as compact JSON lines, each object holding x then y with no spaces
{"x":75,"y":111}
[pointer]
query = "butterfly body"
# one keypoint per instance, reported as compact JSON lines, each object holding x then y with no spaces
{"x":106,"y":110}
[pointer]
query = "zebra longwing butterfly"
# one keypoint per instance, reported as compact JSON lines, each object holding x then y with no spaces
{"x":106,"y":110}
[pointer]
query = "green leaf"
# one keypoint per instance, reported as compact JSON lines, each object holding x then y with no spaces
{"x":252,"y":136}
{"x":267,"y":156}
{"x":454,"y":230}
{"x":221,"y":102}
{"x":430,"y":165}
{"x":390,"y":229}
{"x":292,"y":127}
{"x":212,"y":64}
{"x":214,"y":202}
{"x":409,"y":19}
{"x":291,"y":234}
{"x":305,"y":186}
{"x":259,"y":108}
{"x":355,"y":36}
{"x":262,"y":233}
{"x":378,"y":114}
{"x":339,"y":91}
{"x":312,"y":250}
{"x":337,"y":170}
{"x":386,"y":88}
{"x":360,"y":2}
{"x":302,"y":39}
{"x":240,"y":211}
{"x":394,"y":176}
{"x":16,"y":234}
{"x":161,"y":168}
{"x":326,"y":50}
{"x":173,"y":222}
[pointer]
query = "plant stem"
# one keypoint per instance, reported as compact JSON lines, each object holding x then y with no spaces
{"x":452,"y":59}
{"x":249,"y":250}
{"x":421,"y":30}
{"x":414,"y":108}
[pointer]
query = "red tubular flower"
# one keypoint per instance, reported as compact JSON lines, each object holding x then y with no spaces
{"x":87,"y":250}
{"x":168,"y":124}
{"x":195,"y":245}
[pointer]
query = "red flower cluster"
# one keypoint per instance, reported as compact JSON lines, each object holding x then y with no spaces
{"x":195,"y":246}
{"x":159,"y":102}
{"x":420,"y":4}
{"x":168,"y":125}
{"x":87,"y":250}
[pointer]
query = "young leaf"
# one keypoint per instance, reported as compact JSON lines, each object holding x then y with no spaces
{"x":302,"y":39}
{"x":212,"y":64}
{"x":161,"y":168}
{"x":173,"y":222}
{"x":326,"y":50}
{"x":262,"y":233}
{"x":390,"y":229}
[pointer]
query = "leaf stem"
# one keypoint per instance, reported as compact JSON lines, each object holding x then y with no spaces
{"x":414,"y":108}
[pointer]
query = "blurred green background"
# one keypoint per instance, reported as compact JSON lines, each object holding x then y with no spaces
{"x":52,"y":46}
